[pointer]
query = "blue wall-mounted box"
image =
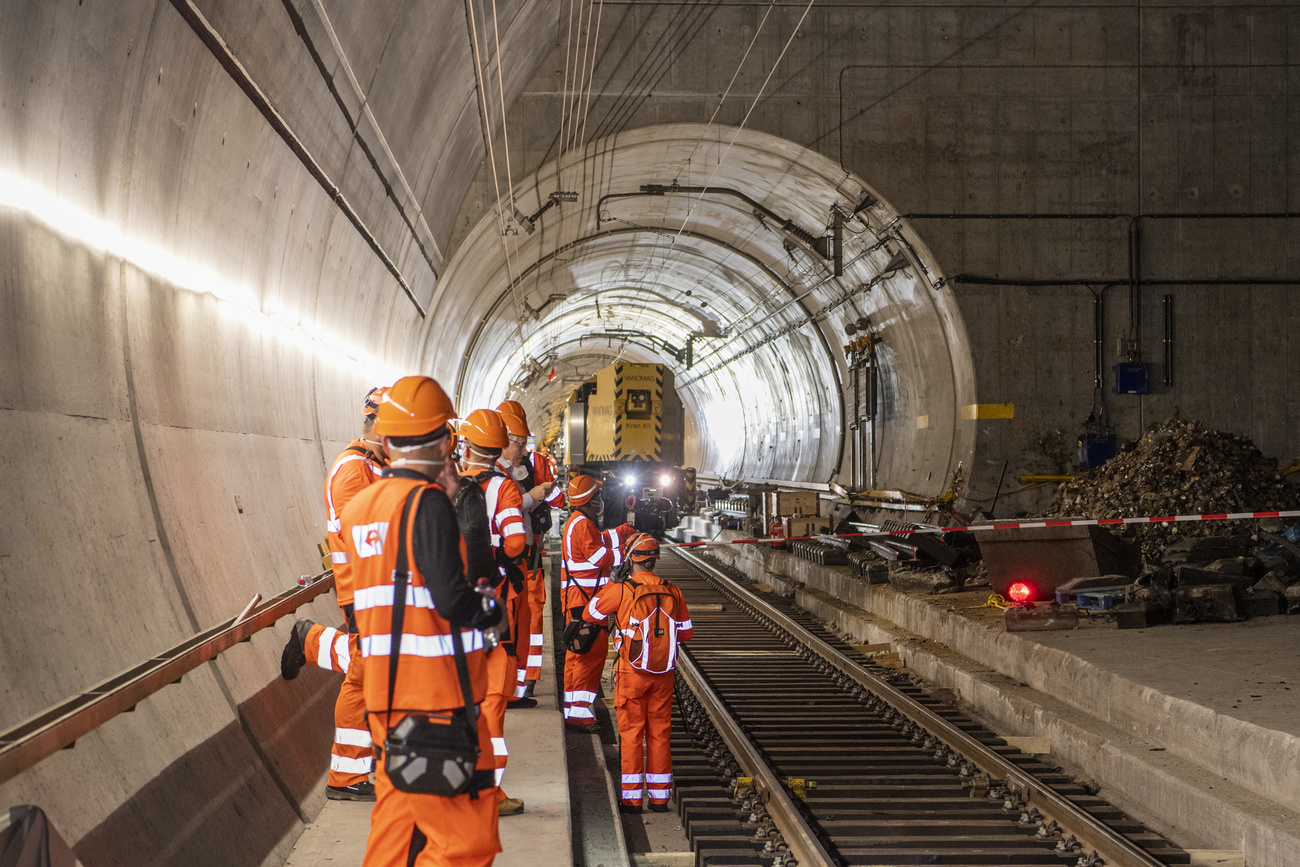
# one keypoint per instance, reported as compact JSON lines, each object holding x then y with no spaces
{"x":1132,"y":377}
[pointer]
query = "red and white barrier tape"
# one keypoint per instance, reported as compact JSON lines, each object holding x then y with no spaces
{"x":1017,"y":525}
{"x":1002,"y":525}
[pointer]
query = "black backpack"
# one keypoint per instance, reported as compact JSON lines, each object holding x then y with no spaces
{"x":471,"y":514}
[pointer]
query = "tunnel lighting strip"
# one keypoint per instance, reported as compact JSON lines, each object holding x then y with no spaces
{"x":66,"y":219}
{"x":58,"y":727}
{"x":1016,"y":525}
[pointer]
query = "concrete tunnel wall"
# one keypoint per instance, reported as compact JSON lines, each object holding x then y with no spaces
{"x":188,"y":321}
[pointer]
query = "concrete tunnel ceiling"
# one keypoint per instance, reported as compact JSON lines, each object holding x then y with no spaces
{"x":612,"y":276}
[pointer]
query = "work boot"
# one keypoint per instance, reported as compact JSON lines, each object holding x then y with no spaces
{"x":590,"y":728}
{"x":355,"y":792}
{"x":658,"y":808}
{"x":532,"y":685}
{"x":294,"y":655}
{"x":522,"y":702}
{"x":624,"y":807}
{"x":510,"y":807}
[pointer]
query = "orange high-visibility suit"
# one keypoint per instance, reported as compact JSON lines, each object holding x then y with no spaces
{"x":541,"y":472}
{"x":352,"y":756}
{"x":462,"y":830}
{"x":587,"y":555}
{"x":644,"y":701}
{"x":506,"y":523}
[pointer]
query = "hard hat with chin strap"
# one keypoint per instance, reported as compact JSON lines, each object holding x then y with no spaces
{"x":414,"y":406}
{"x":582,"y":489}
{"x":644,"y":547}
{"x":484,"y":428}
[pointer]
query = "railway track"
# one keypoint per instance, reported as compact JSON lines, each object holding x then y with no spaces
{"x":790,"y":748}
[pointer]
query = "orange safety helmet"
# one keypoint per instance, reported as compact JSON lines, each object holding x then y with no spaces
{"x":582,"y":489}
{"x":373,"y":399}
{"x":414,"y":406}
{"x":484,"y":428}
{"x":516,"y":418}
{"x":643,"y":547}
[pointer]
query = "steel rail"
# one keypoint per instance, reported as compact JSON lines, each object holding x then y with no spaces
{"x":1115,"y":848}
{"x":780,"y":805}
{"x":59,"y":726}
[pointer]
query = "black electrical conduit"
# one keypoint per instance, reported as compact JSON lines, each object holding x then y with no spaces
{"x":818,"y":243}
{"x":1135,"y":280}
{"x":217,"y":46}
{"x":300,"y":27}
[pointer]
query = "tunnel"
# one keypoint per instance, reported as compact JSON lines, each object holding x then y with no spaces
{"x":222,"y":222}
{"x":627,"y":274}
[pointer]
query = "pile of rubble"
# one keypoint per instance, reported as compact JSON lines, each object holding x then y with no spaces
{"x":1177,"y":468}
{"x":1223,"y":579}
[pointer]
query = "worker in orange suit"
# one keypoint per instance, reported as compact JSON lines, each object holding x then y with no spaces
{"x":352,"y":755}
{"x":489,"y":508}
{"x":443,"y":610}
{"x":540,"y":495}
{"x":650,"y":620}
{"x":587,"y":556}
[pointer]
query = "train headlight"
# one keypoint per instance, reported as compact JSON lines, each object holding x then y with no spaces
{"x":665,"y":480}
{"x":629,"y":480}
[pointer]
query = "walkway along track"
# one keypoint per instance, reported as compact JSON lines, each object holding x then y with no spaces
{"x":765,"y":693}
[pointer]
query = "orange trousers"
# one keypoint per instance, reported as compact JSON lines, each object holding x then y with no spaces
{"x":352,"y":756}
{"x":519,"y":631}
{"x":501,"y":668}
{"x":461,"y":831}
{"x":536,"y":587}
{"x":582,"y":680}
{"x":645,"y":725}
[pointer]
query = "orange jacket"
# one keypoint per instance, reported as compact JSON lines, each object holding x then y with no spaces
{"x":588,"y":556}
{"x":355,"y":469}
{"x":438,"y":595}
{"x":544,"y":472}
{"x":616,"y":599}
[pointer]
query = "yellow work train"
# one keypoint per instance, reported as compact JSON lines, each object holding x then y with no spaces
{"x":625,"y":427}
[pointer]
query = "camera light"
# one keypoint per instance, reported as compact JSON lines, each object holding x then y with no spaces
{"x":665,"y":480}
{"x":629,"y":480}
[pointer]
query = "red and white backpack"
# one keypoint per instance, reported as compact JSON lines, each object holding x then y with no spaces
{"x":650,"y":634}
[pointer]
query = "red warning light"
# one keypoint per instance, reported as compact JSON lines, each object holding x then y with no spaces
{"x":1020,"y":592}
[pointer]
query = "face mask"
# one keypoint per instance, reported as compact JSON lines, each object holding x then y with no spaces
{"x":519,"y":474}
{"x":413,"y":462}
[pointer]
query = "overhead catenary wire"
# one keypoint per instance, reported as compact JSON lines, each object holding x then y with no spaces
{"x":716,"y":109}
{"x":591,"y":75}
{"x":727,"y":151}
{"x":484,"y":115}
{"x":564,"y":91}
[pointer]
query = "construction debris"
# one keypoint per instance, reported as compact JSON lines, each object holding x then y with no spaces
{"x":1177,"y":468}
